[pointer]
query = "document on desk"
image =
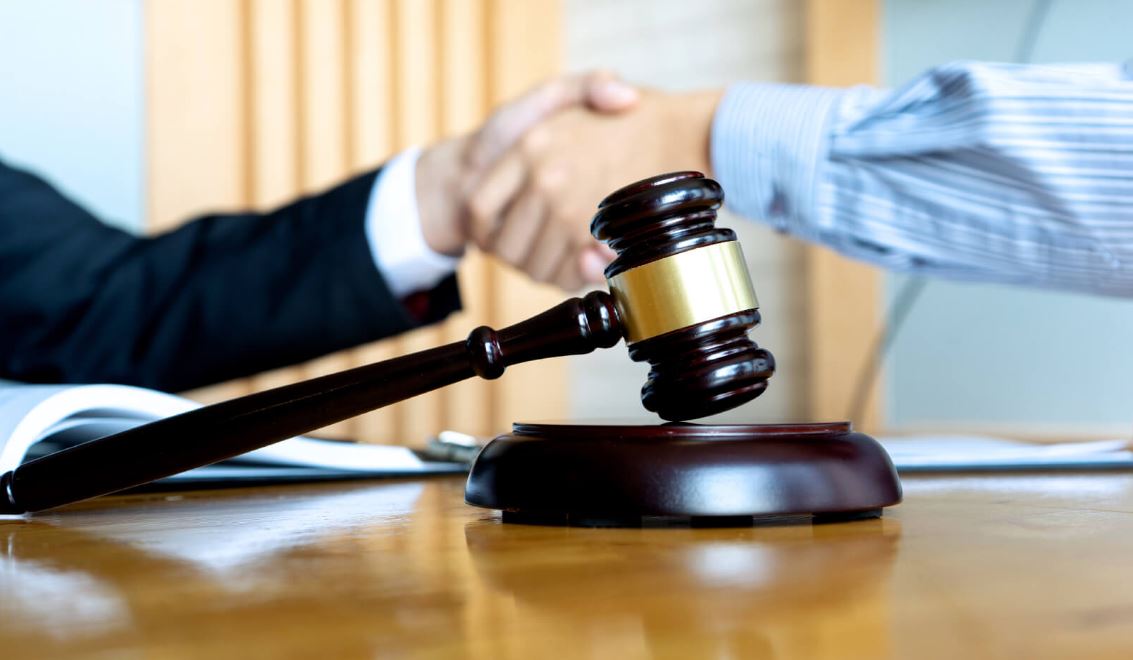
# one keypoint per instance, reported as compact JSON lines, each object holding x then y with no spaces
{"x":36,"y":420}
{"x":966,"y":453}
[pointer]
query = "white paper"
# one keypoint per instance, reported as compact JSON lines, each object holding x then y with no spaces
{"x":968,"y":452}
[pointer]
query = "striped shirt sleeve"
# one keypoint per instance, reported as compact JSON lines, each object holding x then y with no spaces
{"x":987,"y":172}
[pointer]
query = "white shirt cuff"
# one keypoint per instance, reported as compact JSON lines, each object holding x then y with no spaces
{"x":393,"y":230}
{"x":769,"y":142}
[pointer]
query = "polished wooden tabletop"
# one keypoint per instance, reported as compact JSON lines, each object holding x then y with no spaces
{"x":968,"y":567}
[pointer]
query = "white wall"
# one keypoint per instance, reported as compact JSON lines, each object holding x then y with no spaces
{"x":72,"y":101}
{"x":676,"y":44}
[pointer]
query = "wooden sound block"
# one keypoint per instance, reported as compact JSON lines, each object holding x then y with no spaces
{"x":629,"y":475}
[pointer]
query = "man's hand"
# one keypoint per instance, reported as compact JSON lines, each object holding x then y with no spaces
{"x":534,"y":209}
{"x":440,"y":170}
{"x":448,"y":171}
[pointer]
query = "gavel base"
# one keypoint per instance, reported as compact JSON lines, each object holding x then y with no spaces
{"x":694,"y":474}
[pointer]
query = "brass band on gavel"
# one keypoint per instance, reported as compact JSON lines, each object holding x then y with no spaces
{"x":682,"y":290}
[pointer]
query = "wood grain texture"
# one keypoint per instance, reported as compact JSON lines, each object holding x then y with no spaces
{"x":843,"y":40}
{"x":989,"y":567}
{"x":254,"y":102}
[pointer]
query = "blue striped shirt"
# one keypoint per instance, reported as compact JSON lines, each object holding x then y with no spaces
{"x":990,"y":172}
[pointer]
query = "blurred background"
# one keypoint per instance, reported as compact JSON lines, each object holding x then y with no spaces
{"x":151,"y":112}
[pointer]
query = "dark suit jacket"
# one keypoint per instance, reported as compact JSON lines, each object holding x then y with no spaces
{"x":220,"y":297}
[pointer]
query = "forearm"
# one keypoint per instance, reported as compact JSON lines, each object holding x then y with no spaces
{"x":220,"y":297}
{"x":975,"y":172}
{"x":252,"y":292}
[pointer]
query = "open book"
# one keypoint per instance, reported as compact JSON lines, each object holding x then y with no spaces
{"x":36,"y":420}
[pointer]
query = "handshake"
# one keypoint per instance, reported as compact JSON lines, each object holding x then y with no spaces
{"x":524,"y":185}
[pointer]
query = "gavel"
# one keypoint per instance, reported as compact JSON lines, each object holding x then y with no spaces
{"x":680,"y":295}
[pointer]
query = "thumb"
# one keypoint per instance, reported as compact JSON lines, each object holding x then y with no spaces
{"x":605,"y":92}
{"x":509,"y":122}
{"x":598,"y":90}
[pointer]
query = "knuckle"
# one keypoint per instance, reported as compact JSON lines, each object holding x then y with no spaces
{"x":477,"y":233}
{"x":558,"y":88}
{"x":540,"y":268}
{"x":540,"y":275}
{"x":534,"y":140}
{"x":475,"y":156}
{"x":472,"y":152}
{"x":546,"y":180}
{"x":483,"y":143}
{"x":513,"y":257}
{"x":569,"y":230}
{"x":478,"y":209}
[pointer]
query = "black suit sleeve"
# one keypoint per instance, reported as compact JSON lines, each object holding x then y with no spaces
{"x":220,"y":297}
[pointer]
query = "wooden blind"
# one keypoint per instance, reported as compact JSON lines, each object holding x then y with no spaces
{"x":254,"y":102}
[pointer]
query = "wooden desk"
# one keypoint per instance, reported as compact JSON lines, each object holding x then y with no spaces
{"x":1019,"y":567}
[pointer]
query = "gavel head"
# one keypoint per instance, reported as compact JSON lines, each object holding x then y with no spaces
{"x":683,"y":295}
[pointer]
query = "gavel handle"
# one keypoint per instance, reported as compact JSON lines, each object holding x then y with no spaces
{"x":214,"y":433}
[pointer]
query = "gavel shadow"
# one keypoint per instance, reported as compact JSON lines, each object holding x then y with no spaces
{"x":776,"y":591}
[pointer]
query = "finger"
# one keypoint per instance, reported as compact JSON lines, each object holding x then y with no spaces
{"x":520,"y":229}
{"x":548,"y":252}
{"x":582,"y":217}
{"x":568,"y":277}
{"x":511,"y":121}
{"x":608,"y":93}
{"x":488,"y":202}
{"x":572,"y":215}
{"x":592,"y":265}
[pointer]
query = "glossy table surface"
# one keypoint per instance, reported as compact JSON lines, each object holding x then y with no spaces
{"x":968,"y":567}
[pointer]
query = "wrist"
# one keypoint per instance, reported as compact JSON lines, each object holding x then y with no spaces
{"x":438,"y":197}
{"x":687,"y":122}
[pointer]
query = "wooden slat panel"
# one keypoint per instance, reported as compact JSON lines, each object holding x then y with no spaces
{"x":468,"y":405}
{"x":262,"y":100}
{"x":372,"y":127}
{"x":196,"y":131}
{"x":273,"y":123}
{"x":843,"y":39}
{"x":525,"y":49}
{"x":371,"y":66}
{"x":418,"y":122}
{"x":196,"y":159}
{"x":323,"y":113}
{"x":322,"y":64}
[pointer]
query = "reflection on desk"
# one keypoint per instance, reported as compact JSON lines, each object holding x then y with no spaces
{"x":1020,"y":566}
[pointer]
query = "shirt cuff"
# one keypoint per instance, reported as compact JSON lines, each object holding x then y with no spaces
{"x":769,"y":142}
{"x":393,"y":230}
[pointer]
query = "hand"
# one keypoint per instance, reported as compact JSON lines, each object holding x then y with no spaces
{"x":449,"y":169}
{"x":534,"y":209}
